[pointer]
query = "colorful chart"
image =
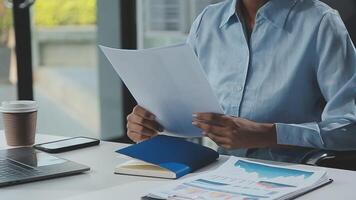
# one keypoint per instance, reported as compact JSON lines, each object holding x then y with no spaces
{"x":271,"y":185}
{"x":265,"y":171}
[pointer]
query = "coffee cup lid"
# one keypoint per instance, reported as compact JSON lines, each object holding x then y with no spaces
{"x":20,"y":106}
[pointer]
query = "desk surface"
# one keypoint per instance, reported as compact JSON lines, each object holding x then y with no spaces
{"x":100,"y":182}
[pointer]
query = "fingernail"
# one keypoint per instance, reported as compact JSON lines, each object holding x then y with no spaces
{"x":195,"y":123}
{"x":195,"y":115}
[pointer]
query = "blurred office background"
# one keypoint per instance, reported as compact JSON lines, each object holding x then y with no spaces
{"x":77,"y":90}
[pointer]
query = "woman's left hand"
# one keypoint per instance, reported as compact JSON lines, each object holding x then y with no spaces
{"x":234,"y":132}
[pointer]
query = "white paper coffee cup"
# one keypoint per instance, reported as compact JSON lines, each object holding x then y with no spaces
{"x":19,"y":121}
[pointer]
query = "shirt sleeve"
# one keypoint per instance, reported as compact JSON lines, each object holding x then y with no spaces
{"x":193,"y":33}
{"x":336,"y":75}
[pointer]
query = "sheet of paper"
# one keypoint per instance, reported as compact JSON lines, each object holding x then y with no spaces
{"x":169,"y":82}
{"x":241,"y":179}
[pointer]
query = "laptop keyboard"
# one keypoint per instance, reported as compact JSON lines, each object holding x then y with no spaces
{"x":12,"y":170}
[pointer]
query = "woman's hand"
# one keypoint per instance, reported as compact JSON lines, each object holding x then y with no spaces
{"x":141,"y":125}
{"x":233,"y":132}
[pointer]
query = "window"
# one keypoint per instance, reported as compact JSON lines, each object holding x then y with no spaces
{"x":163,"y":22}
{"x":7,"y":55}
{"x":64,"y":54}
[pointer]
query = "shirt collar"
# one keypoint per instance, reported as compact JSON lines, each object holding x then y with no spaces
{"x":229,"y":12}
{"x":276,"y":11}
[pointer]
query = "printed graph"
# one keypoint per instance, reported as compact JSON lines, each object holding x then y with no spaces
{"x":269,"y":172}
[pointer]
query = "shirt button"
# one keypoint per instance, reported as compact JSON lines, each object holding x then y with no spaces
{"x":238,"y":88}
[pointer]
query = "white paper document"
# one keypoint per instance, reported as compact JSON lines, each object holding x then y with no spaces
{"x":240,"y":179}
{"x":169,"y":82}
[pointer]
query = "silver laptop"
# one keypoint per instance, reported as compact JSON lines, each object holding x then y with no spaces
{"x":26,"y":164}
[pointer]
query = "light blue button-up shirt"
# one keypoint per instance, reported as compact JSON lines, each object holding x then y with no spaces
{"x":298,"y":70}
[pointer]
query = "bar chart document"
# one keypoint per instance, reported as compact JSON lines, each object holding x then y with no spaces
{"x":241,"y":179}
{"x":169,"y":82}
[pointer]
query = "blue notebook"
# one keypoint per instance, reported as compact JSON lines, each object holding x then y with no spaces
{"x":165,"y":157}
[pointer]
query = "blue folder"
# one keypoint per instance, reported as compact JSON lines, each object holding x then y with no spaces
{"x":174,"y":154}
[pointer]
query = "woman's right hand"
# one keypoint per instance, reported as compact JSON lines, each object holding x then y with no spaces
{"x":142,"y":125}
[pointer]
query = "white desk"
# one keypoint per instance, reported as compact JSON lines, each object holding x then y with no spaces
{"x":101,"y":183}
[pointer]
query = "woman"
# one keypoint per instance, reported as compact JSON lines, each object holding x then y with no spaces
{"x":284,"y":72}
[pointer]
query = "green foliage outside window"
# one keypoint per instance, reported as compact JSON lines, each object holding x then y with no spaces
{"x":64,"y":12}
{"x":5,"y":22}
